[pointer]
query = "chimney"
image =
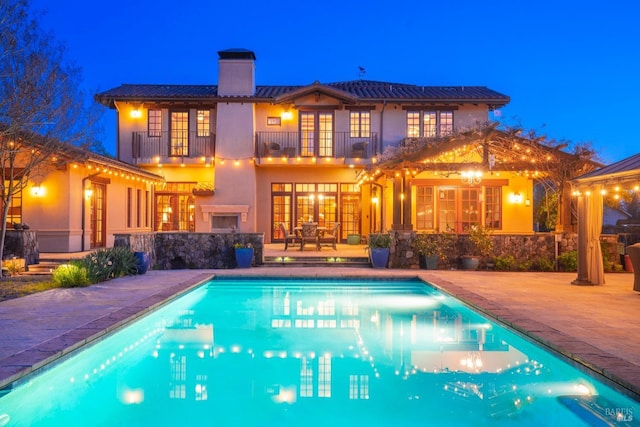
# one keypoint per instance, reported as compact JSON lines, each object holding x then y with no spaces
{"x":236,"y":72}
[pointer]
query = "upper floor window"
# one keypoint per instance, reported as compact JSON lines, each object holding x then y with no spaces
{"x":203,"y":119}
{"x":360,"y":124}
{"x":15,"y":208}
{"x":154,"y":126}
{"x":429,"y":124}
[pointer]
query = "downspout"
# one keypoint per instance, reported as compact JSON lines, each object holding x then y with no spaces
{"x":381,"y":144}
{"x":381,"y":197}
{"x":84,"y":209}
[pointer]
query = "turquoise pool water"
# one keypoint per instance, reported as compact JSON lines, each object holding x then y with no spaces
{"x":304,"y":352}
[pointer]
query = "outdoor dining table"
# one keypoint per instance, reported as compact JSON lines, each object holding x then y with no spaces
{"x":319,"y":232}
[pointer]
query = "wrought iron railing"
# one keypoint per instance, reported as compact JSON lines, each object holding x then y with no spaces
{"x":320,"y":144}
{"x":146,"y":146}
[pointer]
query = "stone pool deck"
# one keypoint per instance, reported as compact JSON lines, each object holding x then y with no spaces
{"x":597,"y":326}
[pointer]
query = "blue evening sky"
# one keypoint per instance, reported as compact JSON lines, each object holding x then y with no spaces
{"x":571,"y":67}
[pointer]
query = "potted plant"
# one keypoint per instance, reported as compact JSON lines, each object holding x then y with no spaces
{"x":480,"y":245}
{"x":203,"y":189}
{"x":432,"y":247}
{"x":244,"y":254}
{"x":379,"y":245}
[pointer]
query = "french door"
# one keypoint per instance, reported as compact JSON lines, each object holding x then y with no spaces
{"x":316,"y":134}
{"x":459,"y":208}
{"x":98,"y":215}
{"x":179,"y":144}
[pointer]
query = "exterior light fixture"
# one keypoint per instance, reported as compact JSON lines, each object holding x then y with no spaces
{"x":37,"y":191}
{"x":286,"y":115}
{"x":471,"y":177}
{"x":136,"y":112}
{"x":516,"y":198}
{"x":88,"y":193}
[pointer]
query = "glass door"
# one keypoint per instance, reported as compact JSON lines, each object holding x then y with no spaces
{"x":316,"y":134}
{"x":98,"y":215}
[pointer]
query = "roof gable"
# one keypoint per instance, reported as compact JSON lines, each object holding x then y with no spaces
{"x":317,"y":89}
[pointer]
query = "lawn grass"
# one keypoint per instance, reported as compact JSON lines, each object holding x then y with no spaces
{"x":19,"y":286}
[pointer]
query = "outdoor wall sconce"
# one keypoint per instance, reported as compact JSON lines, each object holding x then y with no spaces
{"x":136,"y":113}
{"x":527,"y":202}
{"x":37,"y":191}
{"x":286,"y":115}
{"x":515,"y":198}
{"x":88,"y":193}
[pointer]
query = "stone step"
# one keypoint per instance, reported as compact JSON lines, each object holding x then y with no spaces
{"x":313,"y":261}
{"x":44,"y":267}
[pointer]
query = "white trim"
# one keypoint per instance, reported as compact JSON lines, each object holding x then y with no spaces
{"x":208,"y":210}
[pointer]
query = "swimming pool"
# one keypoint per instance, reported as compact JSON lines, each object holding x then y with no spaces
{"x":291,"y":352}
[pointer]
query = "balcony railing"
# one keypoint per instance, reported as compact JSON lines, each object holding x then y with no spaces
{"x":320,"y":144}
{"x":146,"y":147}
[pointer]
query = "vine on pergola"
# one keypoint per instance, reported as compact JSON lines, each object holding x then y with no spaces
{"x":488,"y":149}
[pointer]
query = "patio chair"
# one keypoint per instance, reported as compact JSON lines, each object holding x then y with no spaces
{"x":309,"y":234}
{"x":330,"y":238}
{"x":288,"y":237}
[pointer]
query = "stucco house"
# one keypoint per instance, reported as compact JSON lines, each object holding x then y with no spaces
{"x":237,"y":155}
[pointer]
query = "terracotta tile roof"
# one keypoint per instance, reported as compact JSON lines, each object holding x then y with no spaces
{"x":363,"y":90}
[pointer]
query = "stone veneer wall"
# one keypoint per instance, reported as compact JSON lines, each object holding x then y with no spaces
{"x":521,"y":247}
{"x":21,"y":244}
{"x":170,"y":251}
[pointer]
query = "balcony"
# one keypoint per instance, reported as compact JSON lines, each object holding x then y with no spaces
{"x":306,"y":144}
{"x":159,"y":147}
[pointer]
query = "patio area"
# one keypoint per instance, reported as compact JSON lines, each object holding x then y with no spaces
{"x":597,"y":326}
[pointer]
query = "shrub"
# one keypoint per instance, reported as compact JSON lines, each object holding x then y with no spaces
{"x":568,"y":261}
{"x":105,"y":264}
{"x":524,"y":265}
{"x":543,"y":264}
{"x":435,"y":244}
{"x":71,"y":275}
{"x":480,"y":240}
{"x":505,"y":263}
{"x":377,"y":241}
{"x":13,"y":267}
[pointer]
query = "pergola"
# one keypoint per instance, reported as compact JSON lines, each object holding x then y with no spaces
{"x":589,"y":189}
{"x":485,"y":150}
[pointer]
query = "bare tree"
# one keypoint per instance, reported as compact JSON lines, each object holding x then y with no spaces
{"x":41,"y":104}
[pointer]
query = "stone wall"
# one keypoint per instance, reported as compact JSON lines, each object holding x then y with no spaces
{"x":179,"y":250}
{"x":138,"y":242}
{"x":524,"y":248}
{"x":21,"y":244}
